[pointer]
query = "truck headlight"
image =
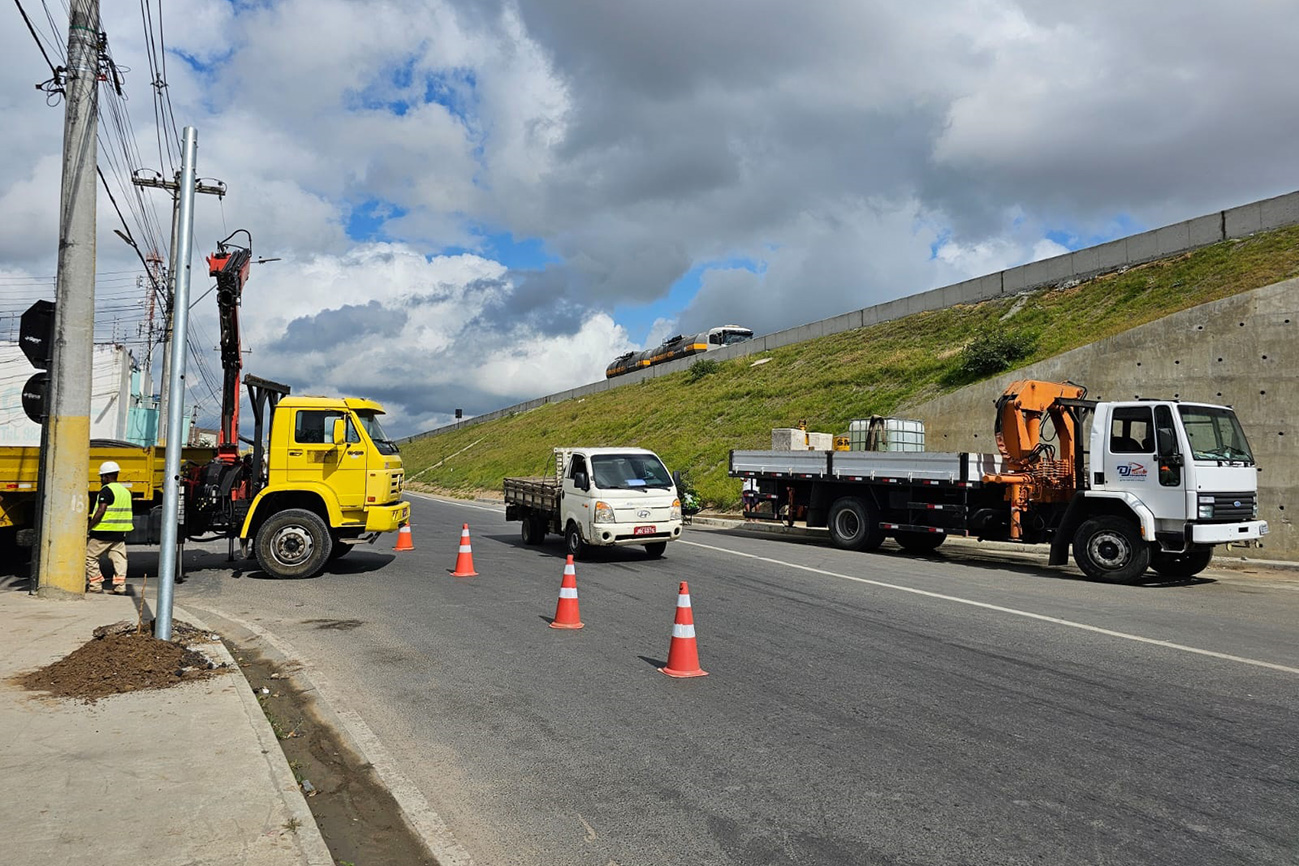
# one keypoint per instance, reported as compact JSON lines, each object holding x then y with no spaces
{"x":1206,"y":510}
{"x":675,"y":513}
{"x":603,"y":512}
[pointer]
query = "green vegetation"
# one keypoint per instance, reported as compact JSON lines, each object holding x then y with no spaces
{"x":693,"y":418}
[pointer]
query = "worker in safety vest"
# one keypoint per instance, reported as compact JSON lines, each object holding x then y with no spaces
{"x":109,"y":524}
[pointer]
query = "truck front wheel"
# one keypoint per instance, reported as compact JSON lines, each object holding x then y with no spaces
{"x":1111,"y":549}
{"x":573,"y":541}
{"x":293,"y":543}
{"x":854,"y":524}
{"x":1186,"y":564}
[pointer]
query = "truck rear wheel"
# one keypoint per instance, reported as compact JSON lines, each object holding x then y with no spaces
{"x":854,"y":524}
{"x":293,"y":543}
{"x":1111,"y":549}
{"x":655,"y":549}
{"x":534,"y":531}
{"x":577,"y":548}
{"x":1186,"y":564}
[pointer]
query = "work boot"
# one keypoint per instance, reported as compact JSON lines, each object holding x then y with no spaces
{"x":118,"y":589}
{"x":95,"y":587}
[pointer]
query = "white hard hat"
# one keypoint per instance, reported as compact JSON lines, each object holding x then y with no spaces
{"x":108,"y":467}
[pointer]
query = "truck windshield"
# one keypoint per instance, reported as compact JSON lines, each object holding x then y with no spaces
{"x":1215,"y":434}
{"x":629,"y":472}
{"x":370,"y":421}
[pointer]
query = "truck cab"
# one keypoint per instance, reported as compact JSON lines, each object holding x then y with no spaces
{"x":1182,"y":474}
{"x":617,"y":496}
{"x":334,"y":479}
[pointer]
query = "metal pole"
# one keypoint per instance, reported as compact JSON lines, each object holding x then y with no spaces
{"x":164,"y":384}
{"x":176,"y":390}
{"x":64,"y":481}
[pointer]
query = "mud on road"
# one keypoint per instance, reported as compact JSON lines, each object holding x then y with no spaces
{"x":359,"y":820}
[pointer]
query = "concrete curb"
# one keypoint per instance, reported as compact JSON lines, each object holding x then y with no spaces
{"x":357,"y":736}
{"x":314,"y":850}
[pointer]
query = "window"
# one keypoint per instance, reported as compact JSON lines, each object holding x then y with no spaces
{"x":316,"y":426}
{"x":629,"y":472}
{"x":1215,"y":434}
{"x":370,"y":421}
{"x":1132,"y":430}
{"x":576,"y":465}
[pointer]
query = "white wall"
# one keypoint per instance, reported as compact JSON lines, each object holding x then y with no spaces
{"x":110,"y":392}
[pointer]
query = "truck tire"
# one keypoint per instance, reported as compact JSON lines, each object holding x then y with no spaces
{"x":577,"y":548}
{"x":1111,"y":549}
{"x":655,"y":549}
{"x":293,"y":543}
{"x":854,"y":524}
{"x":534,"y":531}
{"x":1187,"y":564}
{"x":920,"y":542}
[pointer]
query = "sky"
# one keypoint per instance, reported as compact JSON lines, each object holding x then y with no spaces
{"x":474,"y":204}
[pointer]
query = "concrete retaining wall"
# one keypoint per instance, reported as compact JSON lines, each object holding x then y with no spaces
{"x":1265,"y":215}
{"x":1241,"y":351}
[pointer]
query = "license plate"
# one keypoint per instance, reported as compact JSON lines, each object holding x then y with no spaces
{"x":644,"y":530}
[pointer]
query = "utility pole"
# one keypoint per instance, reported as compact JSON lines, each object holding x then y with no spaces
{"x":176,"y":388}
{"x":61,"y":549}
{"x":155,"y":180}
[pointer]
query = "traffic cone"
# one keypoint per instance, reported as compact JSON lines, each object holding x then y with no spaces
{"x":465,"y":560}
{"x":566,"y":611}
{"x":404,"y":539}
{"x":683,"y":654}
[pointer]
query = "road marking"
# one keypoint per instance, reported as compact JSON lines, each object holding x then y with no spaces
{"x":497,"y":510}
{"x":1010,"y":610}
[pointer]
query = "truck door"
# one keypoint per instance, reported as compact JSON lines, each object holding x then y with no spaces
{"x":313,"y":456}
{"x":576,"y":502}
{"x":1132,"y":464}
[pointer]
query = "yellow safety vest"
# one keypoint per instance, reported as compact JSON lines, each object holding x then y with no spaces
{"x":117,"y":517}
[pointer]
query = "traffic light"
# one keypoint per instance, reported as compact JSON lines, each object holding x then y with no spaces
{"x":36,"y":338}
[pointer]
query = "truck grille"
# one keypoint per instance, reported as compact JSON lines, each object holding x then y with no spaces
{"x":1229,"y":506}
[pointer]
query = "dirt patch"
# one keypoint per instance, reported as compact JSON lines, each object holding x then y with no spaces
{"x":357,"y":816}
{"x":118,"y":659}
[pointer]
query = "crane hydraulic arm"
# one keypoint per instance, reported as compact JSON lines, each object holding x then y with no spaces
{"x":229,"y":264}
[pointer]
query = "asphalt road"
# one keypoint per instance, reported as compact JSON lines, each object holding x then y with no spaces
{"x":860,"y":708}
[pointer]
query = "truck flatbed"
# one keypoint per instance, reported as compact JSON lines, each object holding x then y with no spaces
{"x":912,"y":467}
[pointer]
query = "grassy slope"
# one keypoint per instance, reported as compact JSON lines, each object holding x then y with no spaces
{"x":831,"y":380}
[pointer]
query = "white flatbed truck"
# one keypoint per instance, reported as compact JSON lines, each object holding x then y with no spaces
{"x":1160,"y":485}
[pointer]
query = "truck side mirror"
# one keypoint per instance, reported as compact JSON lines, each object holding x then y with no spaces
{"x":580,"y":481}
{"x":1166,"y":446}
{"x":340,"y":432}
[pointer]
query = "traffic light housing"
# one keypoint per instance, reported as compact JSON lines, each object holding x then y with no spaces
{"x":36,"y":339}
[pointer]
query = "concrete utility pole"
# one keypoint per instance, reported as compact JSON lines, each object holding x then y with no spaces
{"x":176,"y":389}
{"x":60,"y":564}
{"x":173,"y":186}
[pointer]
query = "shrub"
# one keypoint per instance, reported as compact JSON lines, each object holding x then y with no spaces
{"x":990,"y":352}
{"x":701,"y":368}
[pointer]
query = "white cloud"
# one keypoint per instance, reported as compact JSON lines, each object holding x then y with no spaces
{"x":858,"y":152}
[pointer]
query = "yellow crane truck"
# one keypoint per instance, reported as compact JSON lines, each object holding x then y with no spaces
{"x":330,"y":479}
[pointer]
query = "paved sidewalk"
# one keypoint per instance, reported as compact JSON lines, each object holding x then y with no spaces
{"x":187,"y":775}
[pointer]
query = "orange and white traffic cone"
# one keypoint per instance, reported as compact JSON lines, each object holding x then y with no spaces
{"x":566,"y":611}
{"x":404,"y":539}
{"x":683,"y":654}
{"x":465,"y":559}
